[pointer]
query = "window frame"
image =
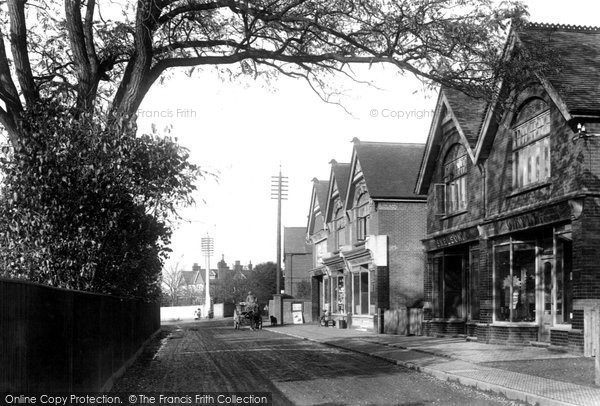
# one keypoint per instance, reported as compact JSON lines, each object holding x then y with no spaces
{"x":531,"y":148}
{"x":451,"y":195}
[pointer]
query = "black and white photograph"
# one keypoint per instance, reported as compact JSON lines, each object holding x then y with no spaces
{"x":299,"y":202}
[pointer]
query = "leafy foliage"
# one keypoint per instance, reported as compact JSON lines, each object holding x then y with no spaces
{"x":90,"y":57}
{"x":233,"y":288}
{"x":303,"y":290}
{"x":87,"y":207}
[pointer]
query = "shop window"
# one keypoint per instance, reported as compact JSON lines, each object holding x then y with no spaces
{"x":360,"y":291}
{"x":451,"y":196}
{"x":564,"y":278}
{"x":534,"y":278}
{"x":372,"y":297}
{"x":531,"y":152}
{"x":514,"y":267}
{"x":339,"y":294}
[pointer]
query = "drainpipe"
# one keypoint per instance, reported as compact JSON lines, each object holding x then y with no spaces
{"x":483,"y":188}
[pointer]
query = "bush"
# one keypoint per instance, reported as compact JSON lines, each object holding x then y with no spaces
{"x":86,"y":206}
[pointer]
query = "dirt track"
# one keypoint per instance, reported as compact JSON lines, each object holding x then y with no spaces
{"x":213,"y":357}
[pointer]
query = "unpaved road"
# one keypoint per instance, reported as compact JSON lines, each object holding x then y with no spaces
{"x":210,"y":356}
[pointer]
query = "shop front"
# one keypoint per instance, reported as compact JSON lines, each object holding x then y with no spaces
{"x":335,"y":282}
{"x":531,"y":274}
{"x":453,"y":263}
{"x":362,"y":298}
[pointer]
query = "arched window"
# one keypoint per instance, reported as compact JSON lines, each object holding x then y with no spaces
{"x":362,"y":216}
{"x":531,"y":151}
{"x":455,"y":179}
{"x":339,"y":224}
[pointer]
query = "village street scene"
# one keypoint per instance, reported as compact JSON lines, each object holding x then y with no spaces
{"x":295,"y":202}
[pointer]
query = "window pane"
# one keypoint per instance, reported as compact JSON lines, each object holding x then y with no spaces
{"x":523,"y":282}
{"x":503,"y":282}
{"x":364,"y":292}
{"x":341,"y":295}
{"x":356,"y":292}
{"x":564,"y":293}
{"x":327,"y":293}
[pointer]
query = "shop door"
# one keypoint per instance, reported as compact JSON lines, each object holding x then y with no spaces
{"x":546,"y":294}
{"x":454,"y":286}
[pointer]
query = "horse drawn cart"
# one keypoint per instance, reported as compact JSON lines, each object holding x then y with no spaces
{"x":248,"y":315}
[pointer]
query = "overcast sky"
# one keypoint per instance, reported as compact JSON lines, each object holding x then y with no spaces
{"x":243,"y":130}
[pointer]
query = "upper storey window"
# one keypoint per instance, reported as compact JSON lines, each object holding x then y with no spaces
{"x":362,"y":217}
{"x":455,"y":180}
{"x":339,"y":225}
{"x":531,"y":160}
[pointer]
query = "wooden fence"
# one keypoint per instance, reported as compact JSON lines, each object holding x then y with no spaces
{"x":56,"y":340}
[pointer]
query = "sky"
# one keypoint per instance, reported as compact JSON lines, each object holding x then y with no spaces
{"x":243,"y":130}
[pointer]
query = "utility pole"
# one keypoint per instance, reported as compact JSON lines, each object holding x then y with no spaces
{"x":279,"y":189}
{"x":207,"y":246}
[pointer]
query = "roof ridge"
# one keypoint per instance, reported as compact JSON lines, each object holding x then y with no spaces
{"x":562,"y":27}
{"x":392,"y":143}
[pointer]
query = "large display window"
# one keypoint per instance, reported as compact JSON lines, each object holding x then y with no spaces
{"x":532,"y":278}
{"x":360,"y":290}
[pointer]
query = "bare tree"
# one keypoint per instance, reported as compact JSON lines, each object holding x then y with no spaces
{"x":173,"y":283}
{"x":71,"y":53}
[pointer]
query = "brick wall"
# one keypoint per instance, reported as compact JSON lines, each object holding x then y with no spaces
{"x":474,"y":212}
{"x":566,"y":170}
{"x":405,"y":227}
{"x":297,"y":267}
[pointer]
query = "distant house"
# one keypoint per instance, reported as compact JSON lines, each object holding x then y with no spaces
{"x":297,"y":258}
{"x":192,"y":284}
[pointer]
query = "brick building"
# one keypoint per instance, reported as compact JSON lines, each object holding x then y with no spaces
{"x":316,"y":231}
{"x":373,"y":224}
{"x":297,"y":259}
{"x":513,"y":220}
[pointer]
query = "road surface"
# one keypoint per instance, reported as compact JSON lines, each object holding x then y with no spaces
{"x":210,"y":356}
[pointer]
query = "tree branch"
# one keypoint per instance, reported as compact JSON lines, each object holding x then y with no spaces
{"x":18,"y":39}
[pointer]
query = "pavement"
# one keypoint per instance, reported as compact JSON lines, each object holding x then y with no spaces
{"x":524,"y":373}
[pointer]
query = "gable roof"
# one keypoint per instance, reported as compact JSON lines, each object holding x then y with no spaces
{"x":194,"y":277}
{"x":389,"y":169}
{"x":572,"y":86}
{"x":294,"y":241}
{"x":467,"y":112}
{"x":340,"y":172}
{"x":577,"y":49}
{"x":318,"y":197}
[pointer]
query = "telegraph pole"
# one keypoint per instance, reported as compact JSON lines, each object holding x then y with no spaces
{"x":207,"y":246}
{"x":279,"y":189}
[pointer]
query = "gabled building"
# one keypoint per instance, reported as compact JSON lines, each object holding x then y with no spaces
{"x":334,"y":286}
{"x":316,"y":236}
{"x":297,"y":259}
{"x":375,"y":223}
{"x":513,"y":218}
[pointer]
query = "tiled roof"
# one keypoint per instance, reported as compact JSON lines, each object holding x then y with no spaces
{"x":576,"y":52}
{"x":194,"y":277}
{"x":321,"y":189}
{"x":294,"y":241}
{"x":390,"y":169}
{"x":469,"y":112}
{"x":341,"y":172}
